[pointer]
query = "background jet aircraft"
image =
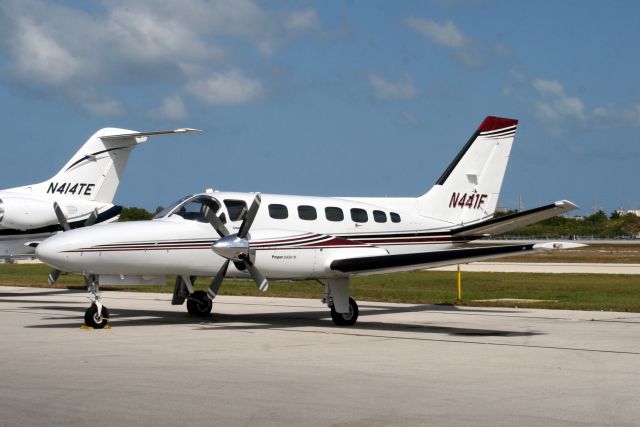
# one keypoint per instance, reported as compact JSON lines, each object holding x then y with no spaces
{"x":83,"y":189}
{"x":248,"y":235}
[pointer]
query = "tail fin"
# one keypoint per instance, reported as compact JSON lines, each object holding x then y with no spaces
{"x":468,"y":189}
{"x":94,"y":172}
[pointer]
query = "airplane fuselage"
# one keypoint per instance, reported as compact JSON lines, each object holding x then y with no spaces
{"x":29,"y":217}
{"x":295,"y":237}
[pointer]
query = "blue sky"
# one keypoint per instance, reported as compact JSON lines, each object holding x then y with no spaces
{"x":356,"y":98}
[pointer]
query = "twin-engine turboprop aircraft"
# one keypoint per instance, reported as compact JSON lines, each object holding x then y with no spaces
{"x":276,"y":237}
{"x":83,"y":188}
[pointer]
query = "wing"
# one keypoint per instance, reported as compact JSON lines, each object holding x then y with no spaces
{"x":423,"y":260}
{"x":511,"y":222}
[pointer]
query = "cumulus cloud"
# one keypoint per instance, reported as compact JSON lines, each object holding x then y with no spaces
{"x":39,"y":57}
{"x":560,"y":110}
{"x":410,"y":118}
{"x":446,"y":34}
{"x":59,"y":47}
{"x":555,"y":104}
{"x":471,"y":53}
{"x":386,"y":90}
{"x":226,"y":88}
{"x":172,"y":108}
{"x":302,"y":20}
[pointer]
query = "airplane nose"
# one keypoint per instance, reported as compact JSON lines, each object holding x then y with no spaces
{"x":50,"y":252}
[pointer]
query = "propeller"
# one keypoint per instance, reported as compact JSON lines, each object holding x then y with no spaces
{"x":236,"y":248}
{"x":93,"y":217}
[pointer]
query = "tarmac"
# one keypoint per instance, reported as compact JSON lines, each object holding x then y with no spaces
{"x":275,"y":361}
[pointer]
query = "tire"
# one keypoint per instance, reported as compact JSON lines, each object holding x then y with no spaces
{"x":199,"y":304}
{"x":92,"y":319}
{"x":349,"y":319}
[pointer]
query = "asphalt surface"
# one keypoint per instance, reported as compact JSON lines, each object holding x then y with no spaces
{"x":274,"y":361}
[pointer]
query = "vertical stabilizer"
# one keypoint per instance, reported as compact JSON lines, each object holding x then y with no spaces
{"x":95,"y":171}
{"x":469,"y":188}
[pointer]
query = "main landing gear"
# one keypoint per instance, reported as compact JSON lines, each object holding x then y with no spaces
{"x":198,"y":302}
{"x":96,"y":316}
{"x":344,"y":309}
{"x":345,"y":319}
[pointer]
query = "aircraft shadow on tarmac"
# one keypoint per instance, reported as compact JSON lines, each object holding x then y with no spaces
{"x":256,"y":321}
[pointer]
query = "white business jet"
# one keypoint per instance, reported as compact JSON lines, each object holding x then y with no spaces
{"x":83,"y":189}
{"x":276,"y":237}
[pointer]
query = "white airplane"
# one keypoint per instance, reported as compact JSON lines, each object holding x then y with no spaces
{"x":83,"y":189}
{"x":224,"y":234}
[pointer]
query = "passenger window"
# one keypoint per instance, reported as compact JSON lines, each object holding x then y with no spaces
{"x":379,"y":216}
{"x":278,"y":211}
{"x":334,"y":214}
{"x":195,"y":210}
{"x":236,"y":209}
{"x":394,"y":217}
{"x":359,"y":215}
{"x":307,"y":212}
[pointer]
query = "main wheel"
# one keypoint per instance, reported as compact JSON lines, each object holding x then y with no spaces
{"x":199,"y":304}
{"x":345,"y":319}
{"x":95,"y":320}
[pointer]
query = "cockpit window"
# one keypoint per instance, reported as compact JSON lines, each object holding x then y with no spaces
{"x":164,"y":212}
{"x":195,"y":209}
{"x":236,"y":209}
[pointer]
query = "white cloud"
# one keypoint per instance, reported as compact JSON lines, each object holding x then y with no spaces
{"x":614,"y":116}
{"x":548,"y":87}
{"x":385,"y":90}
{"x":58,"y":47}
{"x":446,"y":34}
{"x":559,"y":109}
{"x":555,"y":103}
{"x":299,"y":21}
{"x":410,"y":118}
{"x":226,"y":88}
{"x":40,"y":57}
{"x":97,"y":105}
{"x":172,"y":108}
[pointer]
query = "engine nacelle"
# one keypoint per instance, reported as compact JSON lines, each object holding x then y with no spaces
{"x":26,"y":214}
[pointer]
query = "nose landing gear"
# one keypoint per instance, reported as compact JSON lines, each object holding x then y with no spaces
{"x":96,"y":316}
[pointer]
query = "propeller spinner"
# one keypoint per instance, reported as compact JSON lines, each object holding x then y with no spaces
{"x":236,"y":248}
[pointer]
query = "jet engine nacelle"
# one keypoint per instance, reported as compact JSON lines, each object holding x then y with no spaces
{"x":26,"y":214}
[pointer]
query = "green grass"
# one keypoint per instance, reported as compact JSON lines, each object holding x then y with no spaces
{"x":560,"y":291}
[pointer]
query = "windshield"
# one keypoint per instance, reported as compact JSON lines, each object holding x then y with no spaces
{"x":164,"y":212}
{"x":192,"y":208}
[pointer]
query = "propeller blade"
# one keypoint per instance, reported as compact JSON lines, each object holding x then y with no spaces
{"x":216,"y":223}
{"x":53,"y":276}
{"x":251,"y":215}
{"x":92,"y":218}
{"x":257,"y":276}
{"x":61,"y":218}
{"x":217,"y":281}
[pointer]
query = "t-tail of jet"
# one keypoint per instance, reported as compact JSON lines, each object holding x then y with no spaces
{"x":95,"y":170}
{"x":469,"y":188}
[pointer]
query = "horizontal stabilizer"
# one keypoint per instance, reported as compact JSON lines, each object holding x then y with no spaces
{"x":514,"y":221}
{"x":424,"y":260}
{"x":143,"y":134}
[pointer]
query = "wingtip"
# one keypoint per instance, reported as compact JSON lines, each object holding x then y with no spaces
{"x":185,"y":130}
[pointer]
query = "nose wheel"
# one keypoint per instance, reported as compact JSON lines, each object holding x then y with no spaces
{"x":199,"y":304}
{"x":95,"y":318}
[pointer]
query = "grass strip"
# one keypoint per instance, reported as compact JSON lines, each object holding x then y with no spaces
{"x":556,"y":291}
